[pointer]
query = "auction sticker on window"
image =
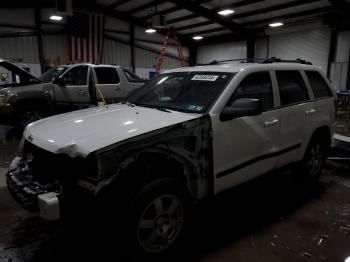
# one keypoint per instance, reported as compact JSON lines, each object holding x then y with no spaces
{"x":205,"y":77}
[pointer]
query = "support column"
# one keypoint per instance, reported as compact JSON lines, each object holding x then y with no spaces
{"x":37,"y":15}
{"x":250,"y":48}
{"x":132,"y":47}
{"x":193,"y":54}
{"x":332,"y":48}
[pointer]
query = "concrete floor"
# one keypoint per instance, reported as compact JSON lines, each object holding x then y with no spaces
{"x":269,"y":219}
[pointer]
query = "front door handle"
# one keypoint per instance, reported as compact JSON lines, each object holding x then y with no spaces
{"x":310,"y":112}
{"x":118,"y":88}
{"x":271,"y":123}
{"x":81,"y":92}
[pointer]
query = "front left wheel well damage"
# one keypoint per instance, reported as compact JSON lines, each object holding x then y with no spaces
{"x":182,"y":151}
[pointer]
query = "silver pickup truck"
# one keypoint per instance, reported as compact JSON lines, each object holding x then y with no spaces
{"x":25,"y":98}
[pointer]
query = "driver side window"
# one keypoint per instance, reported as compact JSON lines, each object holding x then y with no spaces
{"x":76,"y":76}
{"x":256,"y":85}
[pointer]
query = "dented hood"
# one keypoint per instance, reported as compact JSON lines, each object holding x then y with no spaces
{"x":82,"y":132}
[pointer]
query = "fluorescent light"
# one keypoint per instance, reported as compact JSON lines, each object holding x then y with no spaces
{"x":226,"y":12}
{"x":197,"y":37}
{"x":150,"y":30}
{"x":275,"y":24}
{"x":56,"y":17}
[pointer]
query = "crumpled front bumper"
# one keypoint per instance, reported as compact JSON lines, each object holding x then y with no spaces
{"x":24,"y":189}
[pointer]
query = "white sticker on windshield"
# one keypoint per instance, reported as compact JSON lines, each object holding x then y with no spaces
{"x":205,"y":77}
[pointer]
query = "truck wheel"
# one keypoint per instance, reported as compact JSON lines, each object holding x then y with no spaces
{"x":314,"y":159}
{"x":159,"y":211}
{"x":26,"y":116}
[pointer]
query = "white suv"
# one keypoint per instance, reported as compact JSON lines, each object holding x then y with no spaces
{"x":188,"y":134}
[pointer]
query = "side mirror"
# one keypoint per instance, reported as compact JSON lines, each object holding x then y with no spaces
{"x":241,"y":107}
{"x":59,"y":81}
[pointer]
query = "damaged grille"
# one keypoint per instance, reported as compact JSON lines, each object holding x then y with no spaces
{"x":47,"y":167}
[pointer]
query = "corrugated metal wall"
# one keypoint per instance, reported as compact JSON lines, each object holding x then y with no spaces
{"x":20,"y":49}
{"x":147,"y":59}
{"x":56,"y":46}
{"x":116,"y":53}
{"x":311,"y":45}
{"x":234,"y":50}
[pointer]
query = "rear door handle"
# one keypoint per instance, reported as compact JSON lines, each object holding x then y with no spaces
{"x":81,"y":92}
{"x":271,"y":123}
{"x":310,"y":112}
{"x":118,"y":88}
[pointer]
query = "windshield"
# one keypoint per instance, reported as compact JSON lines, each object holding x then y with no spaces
{"x":192,"y":92}
{"x":50,"y":74}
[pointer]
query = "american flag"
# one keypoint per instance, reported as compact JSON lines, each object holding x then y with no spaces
{"x":86,"y":38}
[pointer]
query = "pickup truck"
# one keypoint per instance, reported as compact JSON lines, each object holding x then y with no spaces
{"x":26,"y":98}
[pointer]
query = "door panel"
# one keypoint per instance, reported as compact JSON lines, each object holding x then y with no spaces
{"x":76,"y":90}
{"x":296,"y":115}
{"x":246,"y":147}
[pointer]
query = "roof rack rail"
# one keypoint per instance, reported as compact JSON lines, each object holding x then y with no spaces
{"x":258,"y":60}
{"x":279,"y":60}
{"x":242,"y":60}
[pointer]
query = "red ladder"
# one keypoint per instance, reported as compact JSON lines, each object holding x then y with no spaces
{"x":165,"y":44}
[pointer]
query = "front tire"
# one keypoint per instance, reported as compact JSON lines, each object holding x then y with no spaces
{"x":160,"y":212}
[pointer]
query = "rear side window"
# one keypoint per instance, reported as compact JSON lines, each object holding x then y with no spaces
{"x":292,"y":87}
{"x":107,"y":75}
{"x":132,"y":78}
{"x":256,"y":85}
{"x":318,"y":85}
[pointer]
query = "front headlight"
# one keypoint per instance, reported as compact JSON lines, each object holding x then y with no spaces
{"x":3,"y":98}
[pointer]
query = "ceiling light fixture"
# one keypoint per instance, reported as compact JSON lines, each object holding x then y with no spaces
{"x":277,"y":24}
{"x":226,"y":12}
{"x":150,"y":30}
{"x":197,"y":37}
{"x":56,"y":17}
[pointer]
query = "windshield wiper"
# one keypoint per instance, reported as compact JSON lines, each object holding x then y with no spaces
{"x":160,"y":108}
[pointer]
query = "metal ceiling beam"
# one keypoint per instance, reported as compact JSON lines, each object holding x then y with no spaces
{"x":172,"y":9}
{"x":208,"y":31}
{"x":118,"y":3}
{"x":186,"y":27}
{"x":136,"y":21}
{"x":145,"y":6}
{"x":274,"y":8}
{"x":340,"y":5}
{"x":207,"y":13}
{"x":232,"y":6}
{"x":289,"y":16}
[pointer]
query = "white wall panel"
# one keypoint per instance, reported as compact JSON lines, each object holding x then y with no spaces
{"x":116,"y":53}
{"x":311,"y":45}
{"x":20,"y":49}
{"x":234,"y":50}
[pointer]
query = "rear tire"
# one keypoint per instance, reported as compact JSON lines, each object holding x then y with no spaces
{"x":312,"y":165}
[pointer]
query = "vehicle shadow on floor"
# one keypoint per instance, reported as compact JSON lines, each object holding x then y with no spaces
{"x":233,"y":215}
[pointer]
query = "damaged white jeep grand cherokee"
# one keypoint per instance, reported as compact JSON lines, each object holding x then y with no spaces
{"x":188,"y":134}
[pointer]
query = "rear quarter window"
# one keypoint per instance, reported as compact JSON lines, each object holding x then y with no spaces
{"x":292,"y":87}
{"x":107,"y":75}
{"x":318,"y":84}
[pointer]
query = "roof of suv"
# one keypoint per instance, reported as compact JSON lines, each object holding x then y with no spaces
{"x":89,"y":64}
{"x":236,"y":67}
